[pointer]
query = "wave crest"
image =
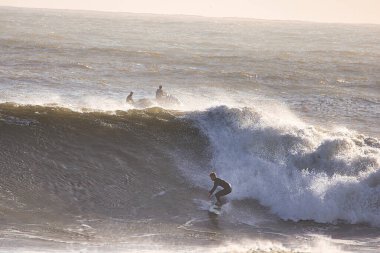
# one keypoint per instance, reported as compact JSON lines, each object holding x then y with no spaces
{"x":300,"y":172}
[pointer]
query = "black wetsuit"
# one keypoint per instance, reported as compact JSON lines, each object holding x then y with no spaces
{"x":226,"y":188}
{"x":130,"y":99}
{"x":159,"y":94}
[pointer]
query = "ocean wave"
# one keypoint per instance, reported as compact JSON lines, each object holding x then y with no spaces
{"x":300,"y":172}
{"x":94,"y":162}
{"x":57,"y":158}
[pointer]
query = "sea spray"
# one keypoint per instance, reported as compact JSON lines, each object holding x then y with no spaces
{"x":299,"y":171}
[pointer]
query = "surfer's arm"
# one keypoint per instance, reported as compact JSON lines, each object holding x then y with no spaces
{"x":213,"y":188}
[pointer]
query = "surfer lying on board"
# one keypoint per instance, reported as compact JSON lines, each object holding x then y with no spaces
{"x":219,"y":182}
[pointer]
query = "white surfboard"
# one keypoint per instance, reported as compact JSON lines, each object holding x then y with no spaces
{"x":215,"y":209}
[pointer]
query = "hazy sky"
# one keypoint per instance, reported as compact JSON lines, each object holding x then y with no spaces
{"x":346,"y":11}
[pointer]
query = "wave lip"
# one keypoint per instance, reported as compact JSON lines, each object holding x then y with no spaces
{"x":300,"y":172}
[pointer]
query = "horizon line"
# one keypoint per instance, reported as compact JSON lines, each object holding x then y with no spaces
{"x":192,"y":15}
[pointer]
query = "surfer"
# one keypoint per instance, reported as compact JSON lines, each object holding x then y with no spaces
{"x":219,"y":182}
{"x":129,"y":98}
{"x":160,"y":93}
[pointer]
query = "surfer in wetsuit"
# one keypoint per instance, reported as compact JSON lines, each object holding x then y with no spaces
{"x":219,"y":182}
{"x":160,"y":93}
{"x":129,"y":98}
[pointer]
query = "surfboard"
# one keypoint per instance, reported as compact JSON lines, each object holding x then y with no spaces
{"x":215,"y":209}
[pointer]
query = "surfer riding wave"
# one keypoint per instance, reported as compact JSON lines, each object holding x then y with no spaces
{"x":219,"y":182}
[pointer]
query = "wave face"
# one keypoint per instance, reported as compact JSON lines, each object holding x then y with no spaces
{"x":56,"y":160}
{"x":300,"y":172}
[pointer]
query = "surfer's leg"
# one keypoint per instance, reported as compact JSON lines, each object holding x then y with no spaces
{"x":217,"y":198}
{"x":220,"y":194}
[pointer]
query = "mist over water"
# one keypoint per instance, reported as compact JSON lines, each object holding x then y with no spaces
{"x":287,"y":112}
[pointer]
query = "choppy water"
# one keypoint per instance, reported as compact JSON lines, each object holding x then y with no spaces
{"x":288,"y":112}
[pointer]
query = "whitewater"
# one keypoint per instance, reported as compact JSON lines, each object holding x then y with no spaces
{"x":287,"y":112}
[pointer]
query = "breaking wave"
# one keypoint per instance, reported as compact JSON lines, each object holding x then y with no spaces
{"x":301,"y":172}
{"x":54,"y":159}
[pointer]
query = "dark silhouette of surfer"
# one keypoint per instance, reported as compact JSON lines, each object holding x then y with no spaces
{"x":219,"y":182}
{"x":129,"y":98}
{"x":160,"y":93}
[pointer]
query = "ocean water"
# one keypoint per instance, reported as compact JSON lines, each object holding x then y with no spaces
{"x":287,"y":112}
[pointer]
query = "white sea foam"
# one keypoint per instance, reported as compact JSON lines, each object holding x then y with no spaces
{"x":314,"y":245}
{"x":299,"y":171}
